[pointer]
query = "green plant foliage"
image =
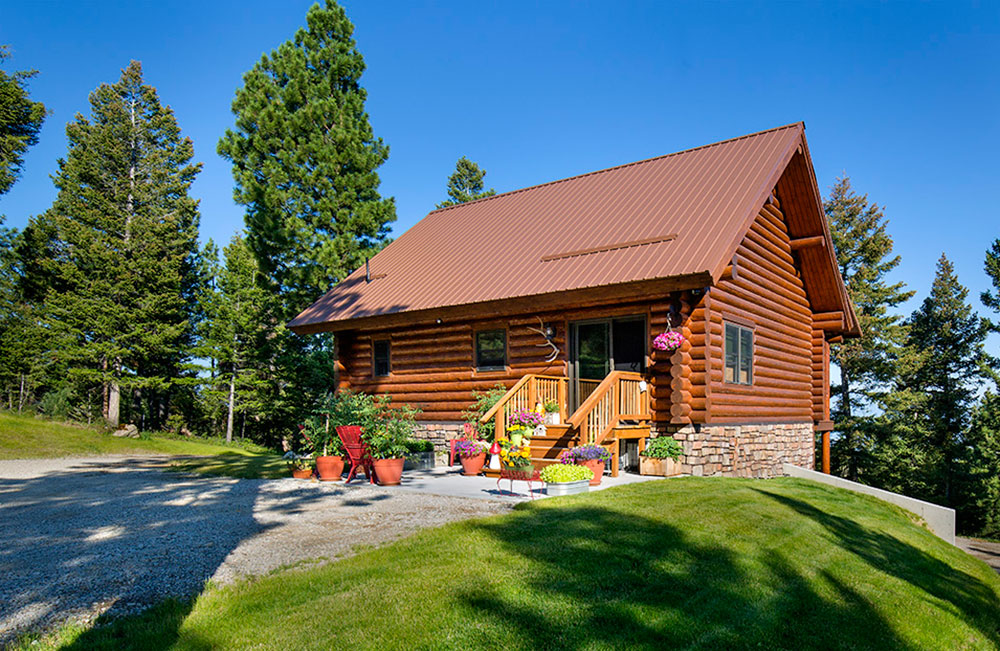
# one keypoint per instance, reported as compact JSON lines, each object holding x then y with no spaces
{"x":305,"y":158}
{"x":416,"y":446}
{"x":484,"y":401}
{"x":466,"y":184}
{"x":20,"y":121}
{"x":663,"y":447}
{"x":560,"y":473}
{"x":111,"y":267}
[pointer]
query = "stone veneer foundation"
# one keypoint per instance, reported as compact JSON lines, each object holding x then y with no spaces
{"x":753,"y":450}
{"x":438,"y":432}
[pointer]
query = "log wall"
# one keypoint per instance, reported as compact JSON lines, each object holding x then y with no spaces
{"x":765,"y":292}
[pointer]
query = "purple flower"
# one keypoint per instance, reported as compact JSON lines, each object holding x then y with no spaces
{"x":583,"y":453}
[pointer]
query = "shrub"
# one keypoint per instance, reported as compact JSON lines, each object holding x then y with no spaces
{"x":589,"y":452}
{"x":484,"y":401}
{"x":416,"y":446}
{"x":57,"y":403}
{"x":663,"y":447}
{"x":560,"y":473}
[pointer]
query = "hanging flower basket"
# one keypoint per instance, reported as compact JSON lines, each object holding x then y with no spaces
{"x":668,"y":341}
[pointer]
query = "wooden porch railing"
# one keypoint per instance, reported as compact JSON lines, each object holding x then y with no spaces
{"x":618,"y":397}
{"x":525,"y":394}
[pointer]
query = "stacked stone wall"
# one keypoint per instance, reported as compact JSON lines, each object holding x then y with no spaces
{"x":743,"y":450}
{"x":439,"y":433}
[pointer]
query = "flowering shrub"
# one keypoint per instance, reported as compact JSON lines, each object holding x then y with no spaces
{"x":668,"y":341}
{"x":297,"y":461}
{"x":583,"y":453}
{"x":467,"y":448}
{"x":526,"y":419}
{"x":560,"y":474}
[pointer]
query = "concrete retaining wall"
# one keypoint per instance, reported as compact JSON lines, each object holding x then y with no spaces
{"x":939,"y":519}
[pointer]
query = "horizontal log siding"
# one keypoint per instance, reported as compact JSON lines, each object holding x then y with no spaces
{"x":433,"y":366}
{"x":767,"y":292}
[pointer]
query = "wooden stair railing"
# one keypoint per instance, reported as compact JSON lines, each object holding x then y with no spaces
{"x":524,"y":394}
{"x":619,"y":397}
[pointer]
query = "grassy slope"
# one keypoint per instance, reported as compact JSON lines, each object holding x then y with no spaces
{"x":694,"y":563}
{"x":23,"y":437}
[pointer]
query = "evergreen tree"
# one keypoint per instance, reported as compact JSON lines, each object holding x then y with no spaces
{"x":466,"y":184}
{"x":978,"y":477}
{"x":112,"y":264}
{"x":991,"y":299}
{"x":237,"y":318}
{"x":20,"y":121}
{"x":305,"y":158}
{"x":867,"y":364}
{"x":950,"y":338}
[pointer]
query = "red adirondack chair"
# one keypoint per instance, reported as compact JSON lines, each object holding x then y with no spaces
{"x":357,"y":452}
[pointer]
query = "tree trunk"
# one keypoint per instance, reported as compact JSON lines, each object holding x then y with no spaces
{"x":20,"y":395}
{"x":232,"y":400}
{"x":114,"y":396}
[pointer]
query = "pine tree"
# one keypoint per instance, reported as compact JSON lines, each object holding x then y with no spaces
{"x":20,"y":121}
{"x":305,"y":158}
{"x":466,"y":184}
{"x":951,"y":339}
{"x":237,"y":318}
{"x":112,"y":264}
{"x":867,"y":364}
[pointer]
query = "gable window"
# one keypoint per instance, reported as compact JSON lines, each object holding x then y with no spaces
{"x":491,"y":350}
{"x":380,"y":358}
{"x":738,"y":355}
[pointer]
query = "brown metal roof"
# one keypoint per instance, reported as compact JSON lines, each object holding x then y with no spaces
{"x":682,"y":214}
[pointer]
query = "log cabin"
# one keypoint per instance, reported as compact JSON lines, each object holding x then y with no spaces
{"x":557,"y":292}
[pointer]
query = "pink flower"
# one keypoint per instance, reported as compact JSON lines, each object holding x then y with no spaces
{"x":668,"y":341}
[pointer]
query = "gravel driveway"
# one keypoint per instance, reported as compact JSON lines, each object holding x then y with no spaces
{"x":80,"y":537}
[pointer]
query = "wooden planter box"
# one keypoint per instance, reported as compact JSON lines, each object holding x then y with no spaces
{"x":659,"y":467}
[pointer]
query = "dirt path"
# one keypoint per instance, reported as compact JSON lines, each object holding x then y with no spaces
{"x":85,"y":536}
{"x":981,"y":549}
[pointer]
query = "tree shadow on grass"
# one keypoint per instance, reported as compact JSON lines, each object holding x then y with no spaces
{"x":621,"y":580}
{"x":974,"y":600}
{"x":117,"y":538}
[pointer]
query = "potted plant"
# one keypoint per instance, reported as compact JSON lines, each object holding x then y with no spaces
{"x":668,"y":341}
{"x":326,"y":447}
{"x":301,"y":467}
{"x":515,"y":459}
{"x":472,"y":454}
{"x":566,"y":479}
{"x":521,"y":424}
{"x":592,"y":456}
{"x":551,"y":408}
{"x":386,"y":435}
{"x":660,"y":457}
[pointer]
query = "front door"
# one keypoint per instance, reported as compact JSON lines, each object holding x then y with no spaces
{"x":597,"y":347}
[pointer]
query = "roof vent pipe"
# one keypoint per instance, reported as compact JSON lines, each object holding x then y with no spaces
{"x":368,"y":272}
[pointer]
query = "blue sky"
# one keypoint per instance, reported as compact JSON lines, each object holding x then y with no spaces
{"x":902,"y":97}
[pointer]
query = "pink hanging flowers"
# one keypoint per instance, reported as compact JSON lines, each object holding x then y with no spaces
{"x":668,"y":341}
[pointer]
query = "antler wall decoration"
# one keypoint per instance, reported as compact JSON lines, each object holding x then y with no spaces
{"x":549,"y":334}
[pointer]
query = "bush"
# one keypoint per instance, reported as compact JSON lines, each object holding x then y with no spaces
{"x":57,"y":403}
{"x":663,"y":447}
{"x":416,"y":446}
{"x":484,"y":401}
{"x":561,"y":473}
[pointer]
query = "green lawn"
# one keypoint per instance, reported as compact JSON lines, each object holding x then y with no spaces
{"x":24,"y":437}
{"x":688,"y":563}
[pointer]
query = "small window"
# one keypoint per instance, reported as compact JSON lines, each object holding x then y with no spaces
{"x":491,"y":350}
{"x":738,"y":355}
{"x":380,"y":358}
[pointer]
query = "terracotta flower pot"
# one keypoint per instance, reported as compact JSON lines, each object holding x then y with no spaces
{"x":472,"y":466}
{"x":389,"y":471}
{"x":330,"y":468}
{"x":307,"y":473}
{"x":598,"y":468}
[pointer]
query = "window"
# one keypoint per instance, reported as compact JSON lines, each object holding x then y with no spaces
{"x":380,"y":358}
{"x":739,"y":355}
{"x":491,"y":350}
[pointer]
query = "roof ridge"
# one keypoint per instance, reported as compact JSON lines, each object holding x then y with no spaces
{"x":618,"y":167}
